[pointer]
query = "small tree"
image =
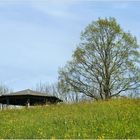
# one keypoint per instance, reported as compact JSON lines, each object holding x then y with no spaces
{"x":49,"y":89}
{"x":4,"y":89}
{"x":55,"y":90}
{"x":105,"y":64}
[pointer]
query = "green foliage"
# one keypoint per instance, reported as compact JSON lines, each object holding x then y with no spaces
{"x":109,"y":119}
{"x":105,"y":64}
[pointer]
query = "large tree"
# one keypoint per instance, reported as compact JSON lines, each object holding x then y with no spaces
{"x":105,"y":64}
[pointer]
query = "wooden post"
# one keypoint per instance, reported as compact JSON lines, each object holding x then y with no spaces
{"x":1,"y":107}
{"x":28,"y":103}
{"x":7,"y":103}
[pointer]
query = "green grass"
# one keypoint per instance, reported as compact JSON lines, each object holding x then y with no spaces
{"x":107,"y":119}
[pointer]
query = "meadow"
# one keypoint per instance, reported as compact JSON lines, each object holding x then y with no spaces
{"x":118,"y":118}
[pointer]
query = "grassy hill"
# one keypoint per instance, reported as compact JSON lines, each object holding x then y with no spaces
{"x":107,"y":119}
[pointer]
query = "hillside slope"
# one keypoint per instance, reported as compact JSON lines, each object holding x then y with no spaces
{"x":107,"y":119}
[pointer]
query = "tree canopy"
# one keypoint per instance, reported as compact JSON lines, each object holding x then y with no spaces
{"x":105,"y":63}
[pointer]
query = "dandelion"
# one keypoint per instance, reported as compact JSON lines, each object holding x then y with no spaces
{"x":52,"y":138}
{"x":101,"y":137}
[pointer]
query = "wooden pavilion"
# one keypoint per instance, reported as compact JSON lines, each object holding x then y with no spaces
{"x":28,"y":97}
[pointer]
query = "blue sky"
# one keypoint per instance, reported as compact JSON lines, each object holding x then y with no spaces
{"x":37,"y":37}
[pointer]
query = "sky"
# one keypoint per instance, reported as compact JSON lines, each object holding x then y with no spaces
{"x":37,"y":37}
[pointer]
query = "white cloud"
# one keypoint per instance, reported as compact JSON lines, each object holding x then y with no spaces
{"x":55,"y":8}
{"x":61,"y":9}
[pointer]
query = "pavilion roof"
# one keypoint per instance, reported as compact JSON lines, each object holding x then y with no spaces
{"x":26,"y":92}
